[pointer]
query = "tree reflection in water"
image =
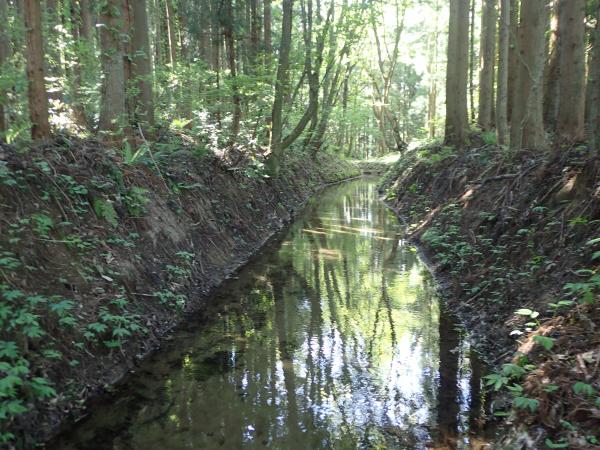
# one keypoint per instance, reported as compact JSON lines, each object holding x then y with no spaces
{"x":332,"y":339}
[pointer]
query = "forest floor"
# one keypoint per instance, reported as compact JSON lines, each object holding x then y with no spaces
{"x":100,"y":259}
{"x":514,"y":237}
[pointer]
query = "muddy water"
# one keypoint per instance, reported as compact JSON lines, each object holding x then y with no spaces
{"x":333,"y":338}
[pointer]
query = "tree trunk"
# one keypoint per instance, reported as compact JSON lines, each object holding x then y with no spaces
{"x":254,"y":33}
{"x":513,"y":57}
{"x":157,"y":23}
{"x":472,"y":61}
{"x":502,"y":93}
{"x":552,"y":70}
{"x":170,"y":19}
{"x":37,"y":96}
{"x":487,"y":60}
{"x":593,"y":87}
{"x":281,"y":87}
{"x":228,"y":25}
{"x":267,"y":27}
{"x":54,"y":61}
{"x":204,"y":38}
{"x":112,"y":111}
{"x":527,"y":127}
{"x":215,"y":29}
{"x":142,"y":64}
{"x":571,"y":106}
{"x":87,"y":23}
{"x":432,"y":70}
{"x":77,"y":106}
{"x":457,"y":127}
{"x":126,"y":23}
{"x":4,"y":55}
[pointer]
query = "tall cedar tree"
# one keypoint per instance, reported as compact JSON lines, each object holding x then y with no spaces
{"x":552,"y":69}
{"x":37,"y":95}
{"x":527,"y":126}
{"x":571,"y":105}
{"x":457,"y":127}
{"x":267,"y":27}
{"x":4,"y":54}
{"x":281,"y":88}
{"x":142,"y":64}
{"x":513,"y":56}
{"x":502,"y":92}
{"x":487,"y":60}
{"x":112,"y":108}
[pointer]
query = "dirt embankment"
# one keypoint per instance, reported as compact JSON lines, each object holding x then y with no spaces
{"x":515,"y":238}
{"x":99,"y":259}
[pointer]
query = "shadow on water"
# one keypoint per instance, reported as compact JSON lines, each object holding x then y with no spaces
{"x":333,"y":338}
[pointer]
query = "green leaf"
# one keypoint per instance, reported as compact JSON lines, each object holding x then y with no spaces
{"x":515,"y":389}
{"x":105,"y":210}
{"x":551,"y":388}
{"x":13,"y":295}
{"x":8,"y":349}
{"x":8,"y":385}
{"x":596,"y":255}
{"x":513,"y":370}
{"x":583,"y":388}
{"x":97,"y":327}
{"x":552,"y":444}
{"x":41,"y":388}
{"x":527,"y":403}
{"x":495,"y":380}
{"x":593,"y":241}
{"x":11,"y":408}
{"x":544,"y":341}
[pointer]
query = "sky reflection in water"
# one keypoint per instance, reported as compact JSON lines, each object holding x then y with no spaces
{"x":332,"y":339}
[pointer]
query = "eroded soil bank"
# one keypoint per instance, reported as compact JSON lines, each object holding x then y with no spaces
{"x":100,"y":259}
{"x":514,"y":237}
{"x":332,"y":338}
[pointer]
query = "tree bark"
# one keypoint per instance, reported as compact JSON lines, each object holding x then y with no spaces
{"x":593,"y":88}
{"x":527,"y":127}
{"x":281,"y":87}
{"x":571,"y":106}
{"x":157,"y":24}
{"x":457,"y":127}
{"x":254,"y":33}
{"x":54,"y":61}
{"x":142,"y":64}
{"x":552,"y":70}
{"x":432,"y":71}
{"x":37,"y":95}
{"x":215,"y":29}
{"x":235,"y":95}
{"x":487,"y":60}
{"x":4,"y":55}
{"x":267,"y":26}
{"x":87,"y":23}
{"x":112,"y":110}
{"x":513,"y":56}
{"x":77,"y":106}
{"x":502,"y":93}
{"x":204,"y":38}
{"x":170,"y":19}
{"x":472,"y":62}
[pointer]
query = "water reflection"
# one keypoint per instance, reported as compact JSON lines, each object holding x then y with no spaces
{"x":334,"y":339}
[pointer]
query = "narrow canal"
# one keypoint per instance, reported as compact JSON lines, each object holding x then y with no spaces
{"x":333,"y":338}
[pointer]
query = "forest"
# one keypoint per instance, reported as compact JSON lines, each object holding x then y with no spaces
{"x":347,"y":223}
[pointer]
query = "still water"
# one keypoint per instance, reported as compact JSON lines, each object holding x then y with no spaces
{"x":333,"y":338}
